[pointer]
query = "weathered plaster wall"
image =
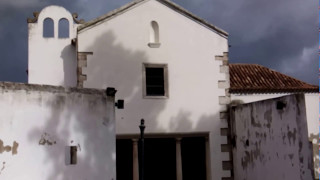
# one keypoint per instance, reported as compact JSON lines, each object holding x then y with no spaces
{"x":271,"y":143}
{"x":312,"y":111}
{"x":52,"y":60}
{"x":39,"y":123}
{"x":119,"y":48}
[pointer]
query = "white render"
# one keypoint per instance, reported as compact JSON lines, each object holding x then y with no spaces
{"x":52,"y":60}
{"x":39,"y":123}
{"x":117,"y":48}
{"x":312,"y":112}
{"x":271,"y":143}
{"x":120,"y":47}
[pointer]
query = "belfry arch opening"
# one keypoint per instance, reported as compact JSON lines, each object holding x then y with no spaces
{"x":63,"y":28}
{"x":48,"y":28}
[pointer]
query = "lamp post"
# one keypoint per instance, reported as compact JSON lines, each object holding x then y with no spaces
{"x":141,"y":159}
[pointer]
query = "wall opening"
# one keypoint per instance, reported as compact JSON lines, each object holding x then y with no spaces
{"x":154,"y":39}
{"x":155,"y":79}
{"x":73,"y":154}
{"x":48,"y":28}
{"x":63,"y":28}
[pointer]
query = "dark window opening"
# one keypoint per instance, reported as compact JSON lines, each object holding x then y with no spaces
{"x":155,"y":81}
{"x":48,"y":28}
{"x":73,"y":154}
{"x":63,"y":28}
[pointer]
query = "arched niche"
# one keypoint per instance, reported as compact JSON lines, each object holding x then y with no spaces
{"x":154,"y":36}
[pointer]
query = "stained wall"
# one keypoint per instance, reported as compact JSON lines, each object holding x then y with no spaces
{"x":270,"y":141}
{"x":39,"y":124}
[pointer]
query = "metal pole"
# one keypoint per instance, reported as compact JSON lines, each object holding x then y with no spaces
{"x":141,"y":159}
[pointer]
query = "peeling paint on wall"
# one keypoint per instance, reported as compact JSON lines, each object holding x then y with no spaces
{"x":46,"y":139}
{"x":3,"y":167}
{"x":272,"y":143}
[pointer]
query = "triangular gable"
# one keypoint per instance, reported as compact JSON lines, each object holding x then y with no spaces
{"x":167,"y":3}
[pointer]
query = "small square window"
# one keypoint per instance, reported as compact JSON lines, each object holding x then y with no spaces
{"x":155,"y":80}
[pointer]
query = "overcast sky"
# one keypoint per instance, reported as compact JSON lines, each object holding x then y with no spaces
{"x":279,"y":34}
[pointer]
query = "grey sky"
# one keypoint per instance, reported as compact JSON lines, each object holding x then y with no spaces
{"x":279,"y":34}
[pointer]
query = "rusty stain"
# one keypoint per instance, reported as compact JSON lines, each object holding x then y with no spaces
{"x":8,"y":148}
{"x":1,"y":146}
{"x":3,"y":166}
{"x":15,"y":148}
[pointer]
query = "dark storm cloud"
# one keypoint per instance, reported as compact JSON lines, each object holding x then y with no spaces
{"x":278,"y":34}
{"x":282,"y":35}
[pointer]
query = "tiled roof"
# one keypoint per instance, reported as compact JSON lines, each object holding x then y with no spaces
{"x":253,"y":78}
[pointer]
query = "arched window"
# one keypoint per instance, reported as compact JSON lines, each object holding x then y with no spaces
{"x":154,"y":33}
{"x":63,"y":28}
{"x":48,"y":28}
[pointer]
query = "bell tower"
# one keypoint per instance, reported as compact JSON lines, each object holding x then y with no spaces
{"x":52,"y":48}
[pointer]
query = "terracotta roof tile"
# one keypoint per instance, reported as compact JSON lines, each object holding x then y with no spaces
{"x":254,"y":78}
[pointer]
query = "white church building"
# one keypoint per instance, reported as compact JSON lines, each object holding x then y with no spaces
{"x":171,"y":68}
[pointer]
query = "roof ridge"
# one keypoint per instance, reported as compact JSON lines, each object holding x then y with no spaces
{"x":169,"y":3}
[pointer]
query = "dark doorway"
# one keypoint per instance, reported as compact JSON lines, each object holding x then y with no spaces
{"x":193,"y":153}
{"x":160,"y":159}
{"x":124,"y":159}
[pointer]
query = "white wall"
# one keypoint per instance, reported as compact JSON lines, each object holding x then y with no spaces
{"x":52,"y":61}
{"x":120,"y":47}
{"x":312,"y":112}
{"x":271,"y":143}
{"x":43,"y":121}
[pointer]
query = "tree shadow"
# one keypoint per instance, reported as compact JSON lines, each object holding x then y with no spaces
{"x":70,"y":125}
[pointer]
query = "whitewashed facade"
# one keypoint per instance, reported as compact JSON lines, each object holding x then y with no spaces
{"x":116,"y":49}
